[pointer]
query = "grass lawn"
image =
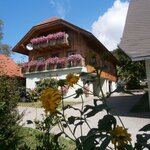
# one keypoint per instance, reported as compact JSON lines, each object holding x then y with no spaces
{"x":39,"y":105}
{"x":29,"y":138}
{"x":142,"y":105}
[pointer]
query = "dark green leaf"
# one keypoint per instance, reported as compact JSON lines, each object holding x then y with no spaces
{"x":87,"y":107}
{"x":105,"y":143}
{"x":76,"y":125}
{"x":71,"y":120}
{"x":106,"y":123}
{"x":145,"y":128}
{"x":79,"y":92}
{"x":57,"y":136}
{"x":96,"y":109}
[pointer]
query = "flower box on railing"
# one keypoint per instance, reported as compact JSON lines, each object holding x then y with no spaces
{"x":40,"y":65}
{"x":58,"y":38}
{"x":52,"y":63}
{"x":74,"y":60}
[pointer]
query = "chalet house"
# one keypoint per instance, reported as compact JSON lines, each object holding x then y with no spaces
{"x":56,"y":47}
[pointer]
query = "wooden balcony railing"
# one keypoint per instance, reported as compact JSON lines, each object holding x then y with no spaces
{"x":34,"y":66}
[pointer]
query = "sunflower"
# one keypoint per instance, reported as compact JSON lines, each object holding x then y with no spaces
{"x":71,"y":79}
{"x":120,"y":136}
{"x":50,"y":99}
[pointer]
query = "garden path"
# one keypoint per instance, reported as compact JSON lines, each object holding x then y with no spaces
{"x":120,"y":103}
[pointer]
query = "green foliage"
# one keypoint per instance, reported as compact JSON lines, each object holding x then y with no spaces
{"x":48,"y":140}
{"x":32,"y":95}
{"x":31,"y":140}
{"x":4,"y":48}
{"x":45,"y":83}
{"x":9,"y":116}
{"x":128,"y":71}
{"x":143,"y":138}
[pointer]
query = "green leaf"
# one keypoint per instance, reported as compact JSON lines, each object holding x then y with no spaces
{"x":76,"y":125}
{"x":106,"y":123}
{"x":143,"y":138}
{"x":105,"y":143}
{"x":71,"y":120}
{"x":96,"y":109}
{"x":87,"y":107}
{"x":145,"y":128}
{"x":57,"y":136}
{"x":78,"y":92}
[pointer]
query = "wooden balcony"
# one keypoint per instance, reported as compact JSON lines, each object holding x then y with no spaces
{"x":59,"y":43}
{"x":47,"y":67}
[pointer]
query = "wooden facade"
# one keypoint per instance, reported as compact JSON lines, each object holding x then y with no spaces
{"x":79,"y":41}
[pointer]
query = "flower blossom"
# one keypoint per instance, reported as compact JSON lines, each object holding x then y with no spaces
{"x":120,"y":136}
{"x":71,"y":79}
{"x":50,"y":99}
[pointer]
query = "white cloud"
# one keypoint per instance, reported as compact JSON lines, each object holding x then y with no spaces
{"x":62,"y":7}
{"x":109,"y":27}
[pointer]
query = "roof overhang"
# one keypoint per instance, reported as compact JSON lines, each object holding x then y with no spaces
{"x":37,"y":30}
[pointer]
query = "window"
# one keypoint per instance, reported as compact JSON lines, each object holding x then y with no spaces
{"x":40,"y":59}
{"x":55,"y":55}
{"x":70,"y":53}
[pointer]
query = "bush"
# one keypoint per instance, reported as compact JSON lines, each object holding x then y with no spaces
{"x":45,"y":83}
{"x":9,"y":128}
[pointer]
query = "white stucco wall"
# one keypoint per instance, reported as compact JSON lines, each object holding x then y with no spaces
{"x":147,"y":64}
{"x":33,"y":77}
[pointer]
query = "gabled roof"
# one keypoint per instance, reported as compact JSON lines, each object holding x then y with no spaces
{"x":54,"y":24}
{"x":47,"y":25}
{"x":136,"y":37}
{"x":9,"y":67}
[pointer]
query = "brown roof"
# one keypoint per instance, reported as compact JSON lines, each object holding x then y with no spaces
{"x":136,"y":37}
{"x":9,"y":67}
{"x":49,"y":20}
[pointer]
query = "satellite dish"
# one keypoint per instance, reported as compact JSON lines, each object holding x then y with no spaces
{"x":29,"y":46}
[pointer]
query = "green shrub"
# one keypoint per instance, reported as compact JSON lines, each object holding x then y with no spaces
{"x":45,"y":83}
{"x":9,"y":116}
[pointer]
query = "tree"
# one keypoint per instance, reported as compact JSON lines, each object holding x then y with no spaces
{"x":4,"y":48}
{"x":128,"y":71}
{"x":9,"y":116}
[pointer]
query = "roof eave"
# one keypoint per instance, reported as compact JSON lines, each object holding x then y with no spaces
{"x":140,"y":58}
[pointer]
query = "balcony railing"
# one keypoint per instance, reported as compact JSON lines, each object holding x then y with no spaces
{"x":53,"y":63}
{"x":51,"y":40}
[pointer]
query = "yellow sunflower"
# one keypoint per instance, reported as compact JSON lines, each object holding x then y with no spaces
{"x":50,"y":99}
{"x":120,"y":136}
{"x":71,"y":79}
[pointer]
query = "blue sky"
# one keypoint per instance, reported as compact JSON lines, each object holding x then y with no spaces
{"x":104,"y":18}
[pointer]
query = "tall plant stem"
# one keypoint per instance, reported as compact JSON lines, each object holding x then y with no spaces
{"x":66,"y":120}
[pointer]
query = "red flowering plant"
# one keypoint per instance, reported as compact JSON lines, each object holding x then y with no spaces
{"x":61,"y":62}
{"x":32,"y":63}
{"x":76,"y":59}
{"x":24,"y":67}
{"x":45,"y":39}
{"x":51,"y":62}
{"x":40,"y":63}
